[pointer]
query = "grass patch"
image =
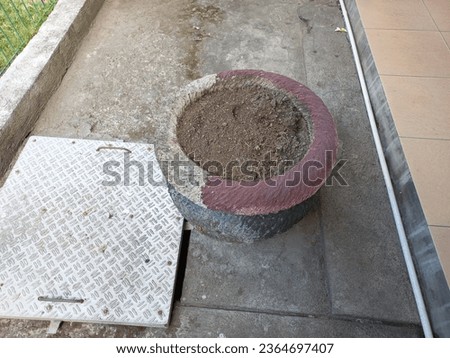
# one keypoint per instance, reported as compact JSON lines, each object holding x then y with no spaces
{"x":19,"y":22}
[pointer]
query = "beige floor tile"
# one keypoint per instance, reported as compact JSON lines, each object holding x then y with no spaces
{"x":440,"y":11}
{"x":409,"y":53}
{"x":398,"y":14}
{"x":420,"y":105}
{"x":446,"y":36}
{"x":429,"y":161}
{"x":441,"y":238}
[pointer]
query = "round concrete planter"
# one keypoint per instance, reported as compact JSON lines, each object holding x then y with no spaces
{"x":250,"y":211}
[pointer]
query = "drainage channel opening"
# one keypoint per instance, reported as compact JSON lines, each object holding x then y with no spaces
{"x":182,"y":262}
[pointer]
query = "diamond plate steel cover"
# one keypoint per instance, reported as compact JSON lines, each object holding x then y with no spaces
{"x":75,"y":249}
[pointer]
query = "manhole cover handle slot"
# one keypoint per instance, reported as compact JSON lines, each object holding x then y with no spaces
{"x":60,"y":299}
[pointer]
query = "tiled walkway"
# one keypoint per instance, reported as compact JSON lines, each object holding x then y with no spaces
{"x":410,"y":42}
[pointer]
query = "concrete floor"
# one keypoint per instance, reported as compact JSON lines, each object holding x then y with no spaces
{"x":340,"y":271}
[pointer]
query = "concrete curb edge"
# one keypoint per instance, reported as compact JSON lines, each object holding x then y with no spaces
{"x":36,"y":73}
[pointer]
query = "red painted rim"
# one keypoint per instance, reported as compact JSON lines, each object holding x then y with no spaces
{"x":297,"y":184}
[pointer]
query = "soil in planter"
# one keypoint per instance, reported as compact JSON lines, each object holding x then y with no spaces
{"x":243,"y":133}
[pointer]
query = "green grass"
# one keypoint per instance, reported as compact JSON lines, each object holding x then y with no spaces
{"x":19,"y":22}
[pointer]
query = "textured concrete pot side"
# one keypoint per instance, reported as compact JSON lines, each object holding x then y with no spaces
{"x":250,"y":211}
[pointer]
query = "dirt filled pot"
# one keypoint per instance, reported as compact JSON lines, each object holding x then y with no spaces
{"x":246,"y":151}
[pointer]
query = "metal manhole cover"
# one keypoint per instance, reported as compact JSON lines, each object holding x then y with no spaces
{"x":75,"y":249}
